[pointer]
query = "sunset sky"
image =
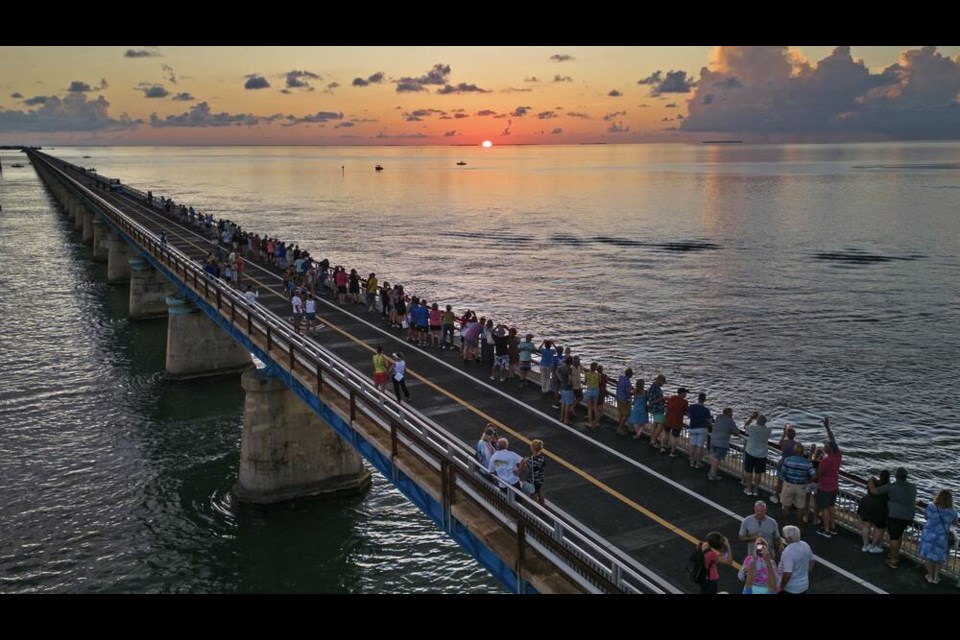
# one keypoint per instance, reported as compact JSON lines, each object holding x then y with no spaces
{"x":464,"y":95}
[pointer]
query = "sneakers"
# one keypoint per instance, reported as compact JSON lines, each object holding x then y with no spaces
{"x":865,"y":548}
{"x":774,"y":499}
{"x":875,"y":548}
{"x":713,"y":478}
{"x":747,"y":492}
{"x":823,"y":532}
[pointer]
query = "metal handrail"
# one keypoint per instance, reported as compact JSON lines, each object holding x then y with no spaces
{"x":425,"y":435}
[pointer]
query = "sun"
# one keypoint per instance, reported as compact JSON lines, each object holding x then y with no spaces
{"x":486,"y":144}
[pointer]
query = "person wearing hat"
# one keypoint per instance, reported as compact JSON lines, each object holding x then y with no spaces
{"x":828,"y":483}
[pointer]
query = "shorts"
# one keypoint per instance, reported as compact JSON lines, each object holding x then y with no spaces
{"x":501,"y":362}
{"x":591,"y":394}
{"x":380,"y":378}
{"x":297,"y":316}
{"x":623,"y":409}
{"x":896,"y":527}
{"x":698,"y":437}
{"x":311,"y":315}
{"x":792,"y":495}
{"x":524,"y":365}
{"x":811,"y":487}
{"x":434,"y":327}
{"x":422,"y":328}
{"x":826,"y":499}
{"x":674,"y":431}
{"x":567,"y":396}
{"x":341,"y":288}
{"x":657,"y":417}
{"x":720,"y":452}
{"x":754,"y":465}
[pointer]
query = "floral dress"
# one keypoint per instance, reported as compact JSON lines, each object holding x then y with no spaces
{"x":933,"y":539}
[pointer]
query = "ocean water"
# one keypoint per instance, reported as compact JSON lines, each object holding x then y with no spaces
{"x":798,"y":280}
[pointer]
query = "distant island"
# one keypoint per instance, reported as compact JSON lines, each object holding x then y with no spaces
{"x":722,"y":142}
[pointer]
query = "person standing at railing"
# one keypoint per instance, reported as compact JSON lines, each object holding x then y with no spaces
{"x":471,"y":334}
{"x":677,"y":406}
{"x":797,"y":472}
{"x":547,"y":354}
{"x":592,"y":395}
{"x":353,"y":287}
{"x":486,"y":344}
{"x":638,"y":414}
{"x":935,"y":537}
{"x":657,"y":408}
{"x":576,"y":381}
{"x":872,"y":510}
{"x":525,"y":351}
{"x":537,"y":462}
{"x":386,"y":306}
{"x":447,"y":325}
{"x":485,"y":446}
{"x":901,"y":502}
{"x":504,"y":464}
{"x":341,"y":278}
{"x":513,"y":352}
{"x":787,"y":443}
{"x":623,"y":400}
{"x":828,"y":483}
{"x":567,"y":396}
{"x":723,"y":429}
{"x":436,"y":324}
{"x":250,"y":295}
{"x":700,"y":421}
{"x":755,"y":453}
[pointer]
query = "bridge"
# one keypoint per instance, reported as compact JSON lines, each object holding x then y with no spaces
{"x":618,"y":517}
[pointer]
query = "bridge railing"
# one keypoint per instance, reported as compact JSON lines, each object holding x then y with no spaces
{"x":579,"y":553}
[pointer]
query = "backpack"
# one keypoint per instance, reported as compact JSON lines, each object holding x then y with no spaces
{"x":696,"y":566}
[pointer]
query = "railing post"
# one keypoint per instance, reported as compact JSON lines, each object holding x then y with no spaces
{"x":521,"y":553}
{"x":233,"y":310}
{"x":393,"y":439}
{"x":249,"y":323}
{"x":353,"y":405}
{"x":218,"y":298}
{"x":319,"y":379}
{"x":292,"y":359}
{"x":269,"y":339}
{"x":445,"y":492}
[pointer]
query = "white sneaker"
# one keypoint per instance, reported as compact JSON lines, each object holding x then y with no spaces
{"x":774,"y":499}
{"x":876,"y":549}
{"x":865,"y":548}
{"x":747,"y":492}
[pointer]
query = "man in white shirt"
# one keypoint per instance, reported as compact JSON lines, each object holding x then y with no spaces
{"x":795,"y":563}
{"x":297,"y":303}
{"x":504,"y":464}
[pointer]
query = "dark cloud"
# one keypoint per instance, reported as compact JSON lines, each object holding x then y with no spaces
{"x":519,"y":112}
{"x":79,"y":87}
{"x":561,"y":57}
{"x":579,"y":114}
{"x":775,"y":92}
{"x":670,"y":105}
{"x":423,"y":113}
{"x":300,"y":79}
{"x":286,"y":92}
{"x":71,"y":113}
{"x":556,"y":131}
{"x":618,"y":127}
{"x":320,"y":117}
{"x":255,"y":81}
{"x":671,"y":82}
{"x":437,"y":75}
{"x":680,"y":116}
{"x":343,"y":125}
{"x":391,"y":136}
{"x":653,"y":78}
{"x":183,"y":97}
{"x":560,"y":78}
{"x":16,"y":95}
{"x":375,"y":78}
{"x":152,"y":90}
{"x":450,"y":134}
{"x":408,"y":87}
{"x":644,"y":105}
{"x":462,"y":87}
{"x":413,"y":118}
{"x":614,"y":93}
{"x":547,"y":115}
{"x":459,"y":115}
{"x":171,"y":75}
{"x":506,"y":131}
{"x":331,"y":86}
{"x":532,"y":79}
{"x":615,"y":114}
{"x":515,"y":90}
{"x":142,"y":53}
{"x":200,"y":115}
{"x":486,"y":112}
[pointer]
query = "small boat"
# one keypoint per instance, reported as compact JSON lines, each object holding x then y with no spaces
{"x":17,"y":165}
{"x":379,"y":167}
{"x":461,"y":163}
{"x":86,"y":157}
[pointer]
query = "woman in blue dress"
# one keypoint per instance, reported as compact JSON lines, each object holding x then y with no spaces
{"x":934,"y":540}
{"x":638,"y":413}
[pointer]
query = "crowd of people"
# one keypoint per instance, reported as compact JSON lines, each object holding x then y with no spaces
{"x":807,"y":477}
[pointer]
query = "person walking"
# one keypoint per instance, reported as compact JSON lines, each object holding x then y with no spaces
{"x":716,"y":551}
{"x":381,"y":367}
{"x":400,"y":376}
{"x":796,"y":563}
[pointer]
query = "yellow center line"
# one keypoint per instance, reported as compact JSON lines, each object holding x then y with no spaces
{"x":561,"y":461}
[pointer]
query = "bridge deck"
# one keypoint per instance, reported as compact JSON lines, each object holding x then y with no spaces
{"x":648,"y":505}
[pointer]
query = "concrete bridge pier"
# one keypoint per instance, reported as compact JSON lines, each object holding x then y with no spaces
{"x":101,"y":231}
{"x":287,"y":452}
{"x":197,"y":347}
{"x":148,"y":290}
{"x":118,"y":256}
{"x":87,"y":235}
{"x":77,"y":211}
